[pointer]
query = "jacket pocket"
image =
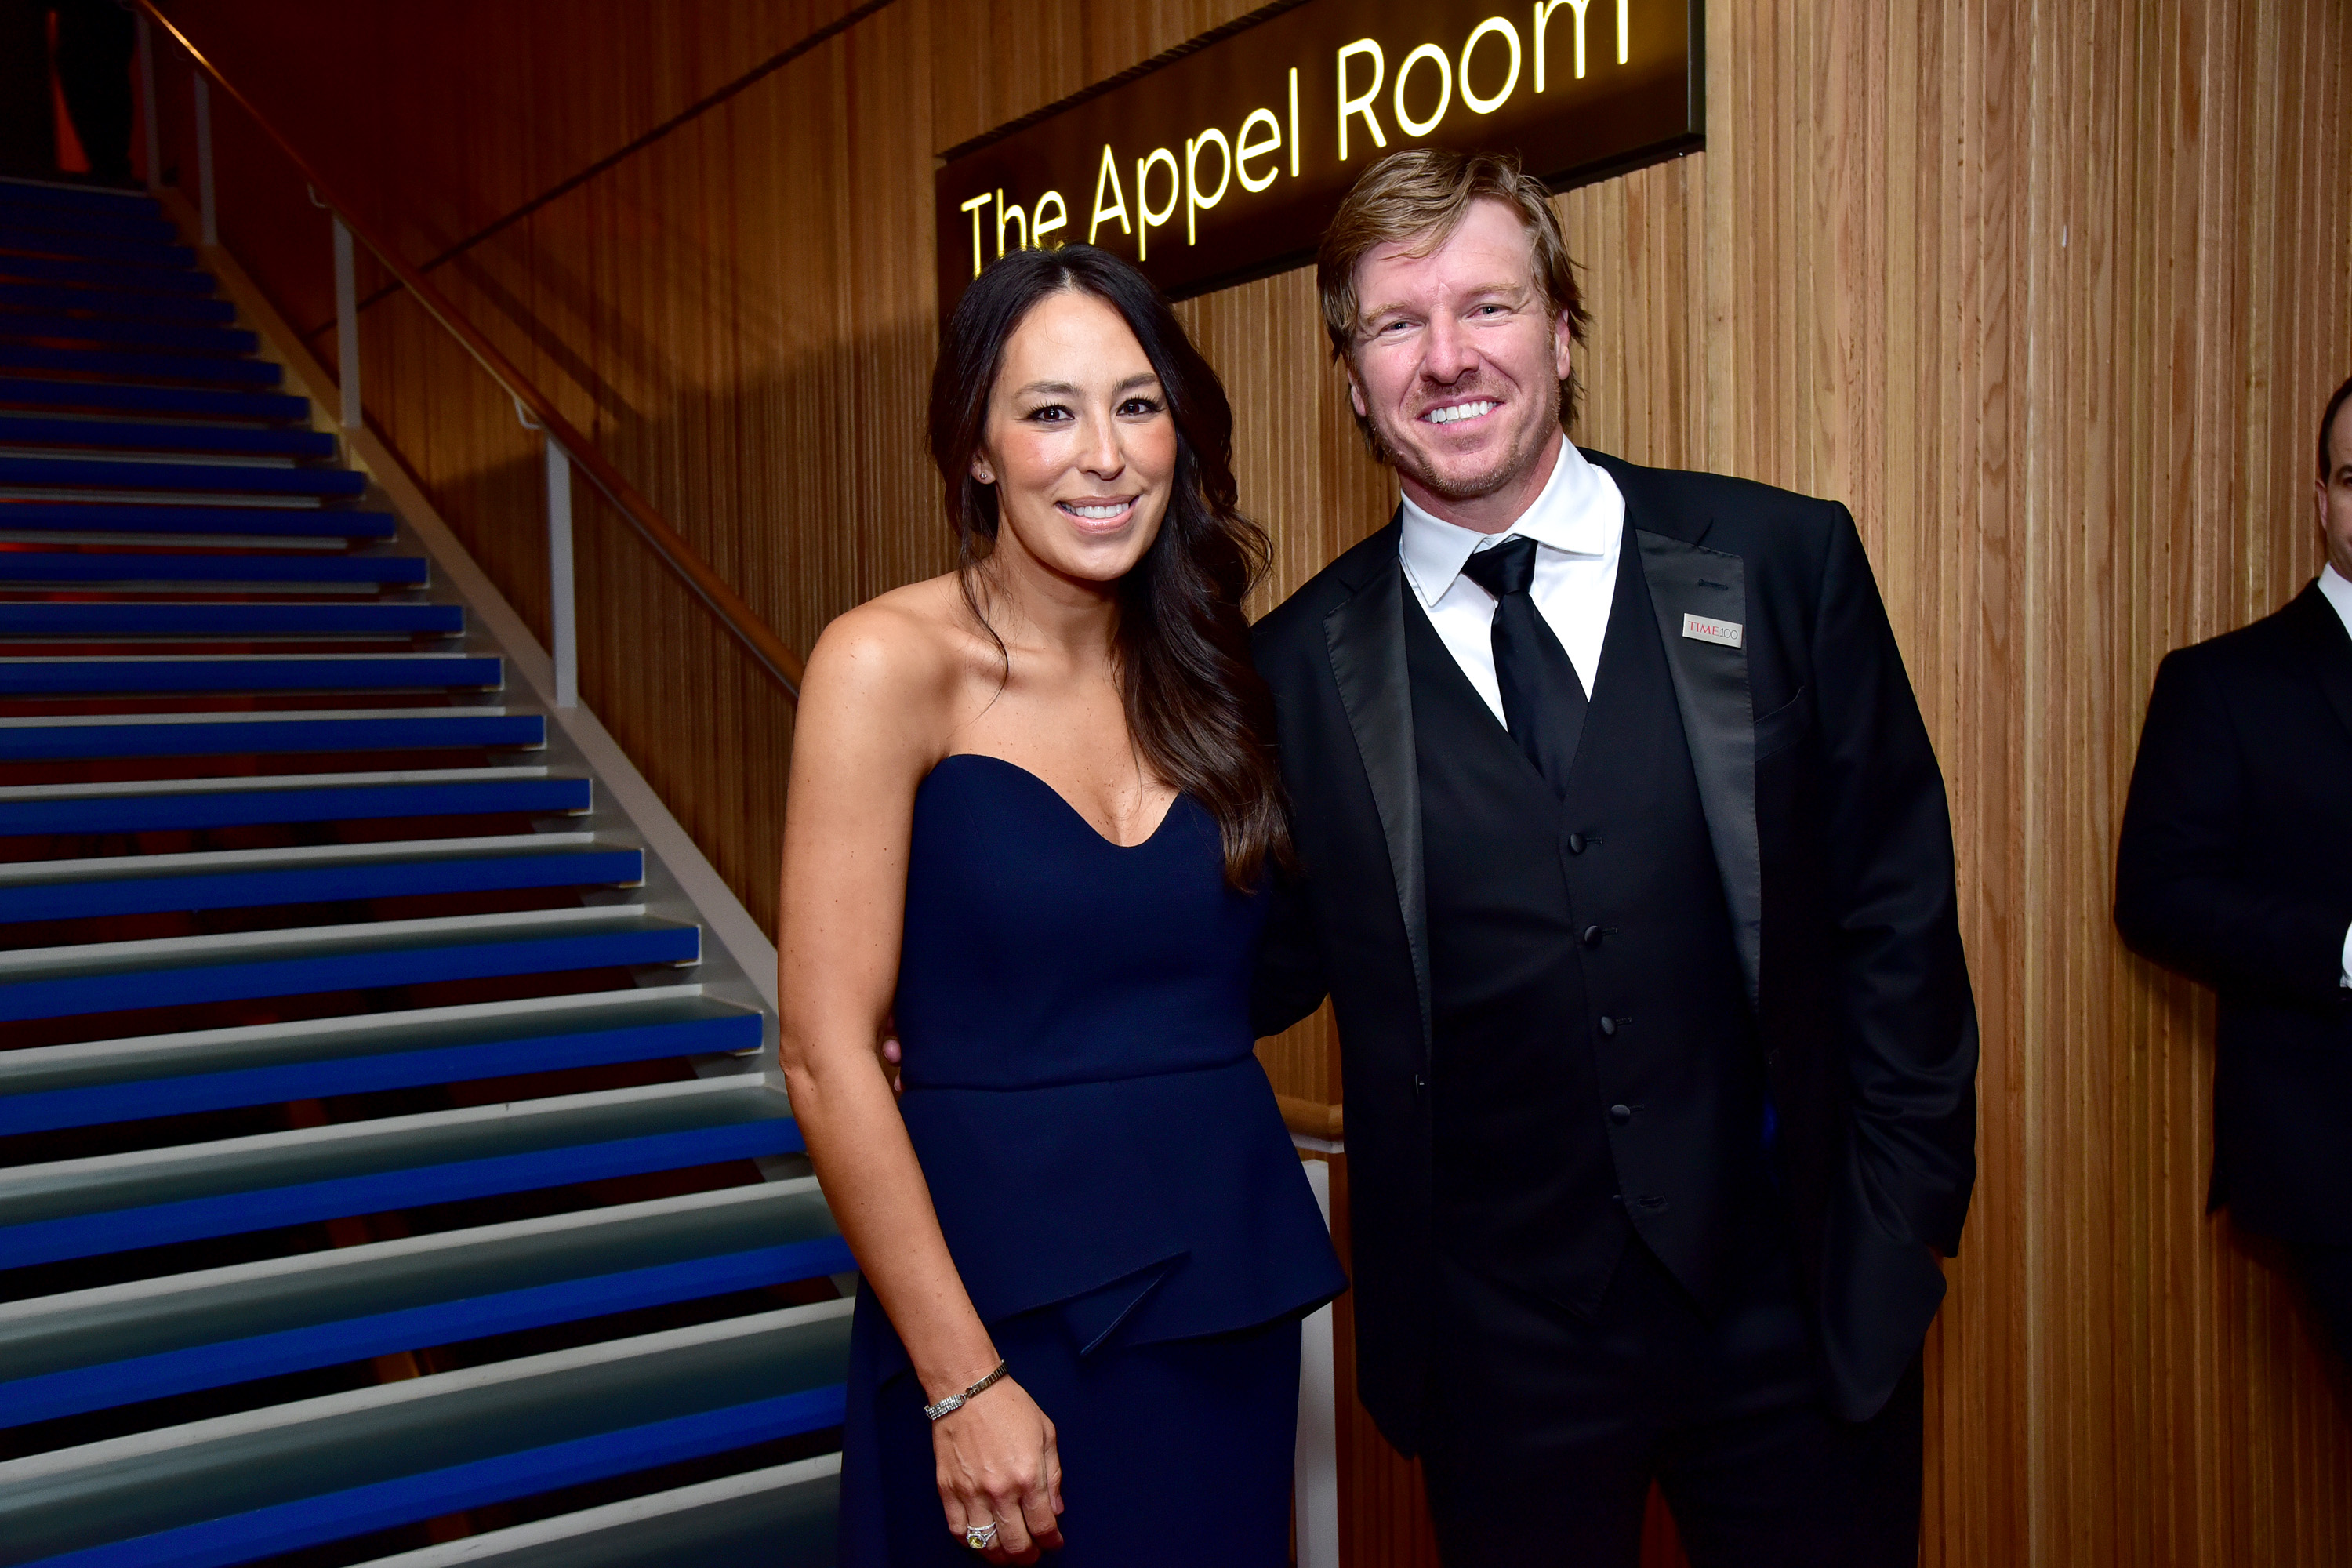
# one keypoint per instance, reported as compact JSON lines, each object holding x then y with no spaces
{"x":1785,"y":725}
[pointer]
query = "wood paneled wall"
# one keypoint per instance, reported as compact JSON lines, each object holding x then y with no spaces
{"x":2050,"y":295}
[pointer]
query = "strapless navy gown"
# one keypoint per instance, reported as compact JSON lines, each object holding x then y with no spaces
{"x":1112,"y":1176}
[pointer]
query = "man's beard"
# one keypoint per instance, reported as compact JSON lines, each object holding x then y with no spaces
{"x":1485,"y":482}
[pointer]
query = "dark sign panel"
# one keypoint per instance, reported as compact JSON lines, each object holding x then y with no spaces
{"x":1222,"y":160}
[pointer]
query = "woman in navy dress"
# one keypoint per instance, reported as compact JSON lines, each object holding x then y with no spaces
{"x":1033,"y":808}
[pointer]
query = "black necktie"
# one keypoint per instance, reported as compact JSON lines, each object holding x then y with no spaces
{"x":1543,"y":700}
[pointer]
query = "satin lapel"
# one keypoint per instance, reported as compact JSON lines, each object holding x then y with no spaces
{"x":1366,"y":636}
{"x":1719,"y":719}
{"x":2321,"y":631}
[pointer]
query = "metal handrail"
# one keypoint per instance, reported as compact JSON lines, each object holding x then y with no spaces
{"x":768,"y":650}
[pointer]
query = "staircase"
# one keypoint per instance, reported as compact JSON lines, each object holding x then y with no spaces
{"x":384,"y":1176}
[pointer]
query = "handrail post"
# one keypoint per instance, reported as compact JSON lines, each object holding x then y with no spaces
{"x":154,"y":146}
{"x":1315,"y":1495}
{"x":561,"y":609}
{"x":204,"y":207}
{"x":347,"y":327}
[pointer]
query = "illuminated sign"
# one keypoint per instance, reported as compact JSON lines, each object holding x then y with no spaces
{"x":1223,"y":160}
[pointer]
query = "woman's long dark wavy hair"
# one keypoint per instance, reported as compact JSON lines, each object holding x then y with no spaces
{"x":1195,"y":706}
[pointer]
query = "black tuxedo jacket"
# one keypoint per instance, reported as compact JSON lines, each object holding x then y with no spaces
{"x":1834,"y":841}
{"x":2236,"y":867}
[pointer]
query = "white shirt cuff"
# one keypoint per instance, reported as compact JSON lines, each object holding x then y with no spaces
{"x":2345,"y":979}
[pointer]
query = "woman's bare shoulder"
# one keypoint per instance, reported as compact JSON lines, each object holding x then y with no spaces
{"x":901,"y":664}
{"x":895,"y":644}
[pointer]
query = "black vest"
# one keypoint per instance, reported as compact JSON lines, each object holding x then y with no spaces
{"x":1595,"y":1070}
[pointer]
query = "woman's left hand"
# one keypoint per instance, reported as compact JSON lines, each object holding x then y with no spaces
{"x":999,"y":1462}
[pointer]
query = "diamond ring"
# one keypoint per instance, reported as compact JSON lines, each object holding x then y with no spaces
{"x":979,"y":1537}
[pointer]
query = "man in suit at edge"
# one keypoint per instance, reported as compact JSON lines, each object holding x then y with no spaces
{"x":1627,"y":867}
{"x":2230,"y":871}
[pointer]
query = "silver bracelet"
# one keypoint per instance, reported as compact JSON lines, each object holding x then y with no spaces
{"x":955,"y":1402}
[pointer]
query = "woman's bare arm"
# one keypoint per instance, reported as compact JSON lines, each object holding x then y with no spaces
{"x":874,"y":714}
{"x":858,"y":752}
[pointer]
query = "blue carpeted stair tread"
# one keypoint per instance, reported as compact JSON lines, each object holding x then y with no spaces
{"x":149,"y":227}
{"x":20,"y":238}
{"x":189,"y":891}
{"x":20,"y":619}
{"x":200,"y":369}
{"x":88,"y":201}
{"x":35,"y":430}
{"x":189,"y":810}
{"x":45,"y":472}
{"x":400,"y":731}
{"x":142,"y":566}
{"x":103,"y":274}
{"x":166,"y":336}
{"x":134,"y":674}
{"x":100,"y":518}
{"x":118,"y":304}
{"x":135,"y":397}
{"x":416,"y":960}
{"x":125,"y":1080}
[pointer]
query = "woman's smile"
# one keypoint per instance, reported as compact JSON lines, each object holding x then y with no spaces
{"x":1098,"y":514}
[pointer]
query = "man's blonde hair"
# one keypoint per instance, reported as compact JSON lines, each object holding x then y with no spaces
{"x":1422,"y":195}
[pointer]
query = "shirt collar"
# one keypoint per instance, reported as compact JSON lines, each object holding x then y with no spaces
{"x":2338,"y":592}
{"x":1579,"y":513}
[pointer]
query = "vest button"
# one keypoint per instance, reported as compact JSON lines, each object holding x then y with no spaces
{"x":1576,"y":843}
{"x":1420,"y":1086}
{"x":1621,"y":1114}
{"x":1608,"y":1028}
{"x":1592,"y":936}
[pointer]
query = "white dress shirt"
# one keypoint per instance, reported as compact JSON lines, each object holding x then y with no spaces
{"x":1578,"y":523}
{"x":2338,"y":590}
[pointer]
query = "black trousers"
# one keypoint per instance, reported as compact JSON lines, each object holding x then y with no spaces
{"x":1544,"y":1431}
{"x":29,"y":144}
{"x":2326,"y":1274}
{"x":96,"y":40}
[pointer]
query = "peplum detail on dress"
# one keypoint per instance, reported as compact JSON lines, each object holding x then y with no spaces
{"x":1096,"y":1134}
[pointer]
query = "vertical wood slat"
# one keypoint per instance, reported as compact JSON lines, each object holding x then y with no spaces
{"x":2049,"y":295}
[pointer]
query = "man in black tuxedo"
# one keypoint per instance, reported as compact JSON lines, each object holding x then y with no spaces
{"x":1627,"y":866}
{"x":2231,"y":869}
